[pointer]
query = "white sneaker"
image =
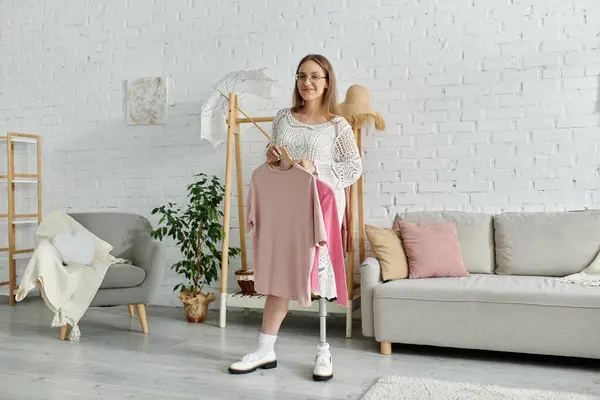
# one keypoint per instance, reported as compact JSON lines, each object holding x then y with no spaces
{"x":251,"y":363}
{"x":323,"y":370}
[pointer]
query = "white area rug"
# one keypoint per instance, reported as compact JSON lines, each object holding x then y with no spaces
{"x":401,"y":388}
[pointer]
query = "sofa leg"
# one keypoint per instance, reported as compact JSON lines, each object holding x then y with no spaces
{"x":141,"y":309}
{"x":131,"y":312}
{"x":63,"y":332}
{"x":386,"y":348}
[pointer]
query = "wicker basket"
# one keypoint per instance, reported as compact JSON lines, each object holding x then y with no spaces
{"x":245,"y":280}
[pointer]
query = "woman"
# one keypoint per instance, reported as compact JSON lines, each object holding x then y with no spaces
{"x":323,"y":143}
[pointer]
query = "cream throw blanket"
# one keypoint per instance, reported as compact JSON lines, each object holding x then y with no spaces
{"x":590,"y":276}
{"x":68,"y":289}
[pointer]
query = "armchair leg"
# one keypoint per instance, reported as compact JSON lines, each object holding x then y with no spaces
{"x":63,"y":332}
{"x":131,"y":312}
{"x":386,"y":348}
{"x":141,"y":309}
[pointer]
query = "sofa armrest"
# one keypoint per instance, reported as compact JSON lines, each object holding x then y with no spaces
{"x":150,"y":255}
{"x":370,"y":278}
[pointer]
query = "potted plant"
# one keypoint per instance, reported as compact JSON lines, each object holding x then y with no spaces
{"x":198,"y":232}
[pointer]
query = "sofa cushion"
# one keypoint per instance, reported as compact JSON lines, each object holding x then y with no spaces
{"x":388,"y":249}
{"x":489,"y":288}
{"x":475,"y":235}
{"x":123,"y":276}
{"x":432,"y":250}
{"x":546,"y":243}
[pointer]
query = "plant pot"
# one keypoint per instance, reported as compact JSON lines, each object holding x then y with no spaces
{"x":196,"y":307}
{"x":245,"y":280}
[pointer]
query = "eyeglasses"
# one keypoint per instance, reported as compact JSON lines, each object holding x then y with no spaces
{"x":312,"y":77}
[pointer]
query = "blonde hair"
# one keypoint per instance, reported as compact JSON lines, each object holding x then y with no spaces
{"x":329,"y":99}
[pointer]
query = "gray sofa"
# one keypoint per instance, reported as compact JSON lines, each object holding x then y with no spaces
{"x":512,"y":300}
{"x":133,"y":284}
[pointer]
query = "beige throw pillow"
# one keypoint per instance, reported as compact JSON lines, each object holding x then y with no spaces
{"x":388,"y":248}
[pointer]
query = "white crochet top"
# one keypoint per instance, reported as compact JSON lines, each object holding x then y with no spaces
{"x":331,"y":146}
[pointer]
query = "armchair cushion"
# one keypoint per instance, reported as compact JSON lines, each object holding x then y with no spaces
{"x":75,"y":248}
{"x":123,"y":276}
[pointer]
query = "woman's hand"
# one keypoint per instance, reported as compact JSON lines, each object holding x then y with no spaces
{"x":308,"y":165}
{"x":273,"y":154}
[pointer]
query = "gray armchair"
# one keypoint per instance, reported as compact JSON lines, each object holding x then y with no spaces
{"x":133,"y":284}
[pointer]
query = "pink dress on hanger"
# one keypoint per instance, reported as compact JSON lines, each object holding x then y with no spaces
{"x":334,"y":244}
{"x":284,"y":215}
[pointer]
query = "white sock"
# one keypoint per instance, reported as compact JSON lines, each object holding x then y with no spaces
{"x":266,"y":344}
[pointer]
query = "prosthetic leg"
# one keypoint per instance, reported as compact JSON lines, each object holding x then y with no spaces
{"x":323,"y":370}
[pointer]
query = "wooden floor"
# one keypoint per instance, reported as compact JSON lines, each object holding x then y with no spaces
{"x":178,"y":360}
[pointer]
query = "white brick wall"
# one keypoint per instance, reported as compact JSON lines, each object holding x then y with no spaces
{"x":490,"y":106}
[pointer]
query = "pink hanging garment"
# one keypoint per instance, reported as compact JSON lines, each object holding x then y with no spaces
{"x":334,"y":244}
{"x":284,"y":215}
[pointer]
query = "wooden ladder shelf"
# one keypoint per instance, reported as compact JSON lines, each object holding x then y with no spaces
{"x":14,"y":219}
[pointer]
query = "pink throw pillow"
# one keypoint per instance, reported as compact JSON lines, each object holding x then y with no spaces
{"x":432,"y":250}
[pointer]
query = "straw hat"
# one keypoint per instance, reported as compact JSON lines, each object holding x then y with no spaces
{"x":356,"y":108}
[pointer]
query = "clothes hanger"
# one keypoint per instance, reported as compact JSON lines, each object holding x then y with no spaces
{"x":285,"y":155}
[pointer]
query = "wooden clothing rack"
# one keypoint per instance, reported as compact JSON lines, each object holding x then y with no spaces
{"x":239,"y":299}
{"x":14,"y":219}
